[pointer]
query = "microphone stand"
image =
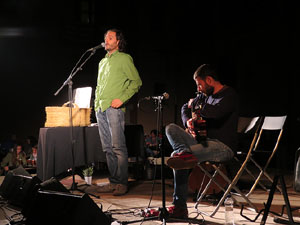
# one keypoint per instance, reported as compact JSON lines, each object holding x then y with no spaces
{"x":163,"y":212}
{"x":70,"y":96}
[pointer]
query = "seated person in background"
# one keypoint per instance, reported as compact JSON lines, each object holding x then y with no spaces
{"x":152,"y":143}
{"x":29,"y":143}
{"x":13,"y":159}
{"x":217,"y":104}
{"x":33,"y":156}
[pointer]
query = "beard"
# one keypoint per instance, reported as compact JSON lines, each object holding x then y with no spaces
{"x":209,"y":90}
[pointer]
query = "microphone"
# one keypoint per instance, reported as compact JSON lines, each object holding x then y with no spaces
{"x":198,"y":93}
{"x":102,"y":45}
{"x":160,"y":97}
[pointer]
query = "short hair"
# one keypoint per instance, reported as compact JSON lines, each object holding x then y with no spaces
{"x":206,"y":70}
{"x":18,"y":144}
{"x":120,"y":37}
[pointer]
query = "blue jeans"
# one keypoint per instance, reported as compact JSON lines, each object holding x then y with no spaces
{"x":111,"y":125}
{"x":180,"y":141}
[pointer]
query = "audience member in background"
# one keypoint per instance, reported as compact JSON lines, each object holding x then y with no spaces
{"x":33,"y":156}
{"x":152,"y":143}
{"x":29,"y":143}
{"x":13,"y":159}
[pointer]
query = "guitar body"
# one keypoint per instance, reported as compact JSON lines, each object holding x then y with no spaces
{"x":197,"y":175}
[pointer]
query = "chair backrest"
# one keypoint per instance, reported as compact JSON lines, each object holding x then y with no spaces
{"x":273,"y":122}
{"x":248,"y":129}
{"x":246,"y":124}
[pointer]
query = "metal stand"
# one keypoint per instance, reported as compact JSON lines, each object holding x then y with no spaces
{"x":70,"y":96}
{"x":286,"y":200}
{"x":163,"y":212}
{"x":266,"y":210}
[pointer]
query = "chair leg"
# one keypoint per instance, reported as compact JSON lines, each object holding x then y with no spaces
{"x":205,"y":189}
{"x":208,"y":185}
{"x":226,"y":192}
{"x":263,"y":170}
{"x":232,"y":185}
{"x":252,"y":175}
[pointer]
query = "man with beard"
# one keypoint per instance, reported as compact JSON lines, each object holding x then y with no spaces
{"x":215,"y":110}
{"x":118,"y":80}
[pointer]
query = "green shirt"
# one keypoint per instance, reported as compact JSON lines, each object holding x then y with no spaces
{"x":117,"y":79}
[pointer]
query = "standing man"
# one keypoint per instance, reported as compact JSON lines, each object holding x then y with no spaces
{"x":118,"y":80}
{"x":217,"y":104}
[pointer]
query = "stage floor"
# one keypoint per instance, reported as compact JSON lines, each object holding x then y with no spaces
{"x":145,"y":194}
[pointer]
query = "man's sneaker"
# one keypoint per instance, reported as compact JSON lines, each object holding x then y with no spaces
{"x":183,"y":160}
{"x":178,"y":212}
{"x":120,"y":189}
{"x":106,"y":188}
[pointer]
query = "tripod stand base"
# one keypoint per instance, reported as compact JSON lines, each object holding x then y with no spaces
{"x":187,"y":220}
{"x":83,"y":191}
{"x":164,"y":217}
{"x":74,"y":187}
{"x":283,"y":221}
{"x":171,"y":220}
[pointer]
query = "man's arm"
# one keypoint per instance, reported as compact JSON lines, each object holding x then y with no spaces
{"x":134,"y":80}
{"x":185,"y":114}
{"x":218,"y":110}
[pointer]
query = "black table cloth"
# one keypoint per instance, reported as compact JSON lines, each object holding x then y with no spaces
{"x":55,"y":154}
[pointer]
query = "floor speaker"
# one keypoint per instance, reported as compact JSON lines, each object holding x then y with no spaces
{"x":50,"y":207}
{"x":51,"y":184}
{"x":18,"y":186}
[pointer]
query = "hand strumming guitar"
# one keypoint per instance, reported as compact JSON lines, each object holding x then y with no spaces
{"x":196,"y":125}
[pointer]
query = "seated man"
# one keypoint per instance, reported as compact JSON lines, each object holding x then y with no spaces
{"x":215,"y":109}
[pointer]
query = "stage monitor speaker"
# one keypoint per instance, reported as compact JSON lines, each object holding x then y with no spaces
{"x":18,"y":186}
{"x":49,"y":185}
{"x":62,"y":208}
{"x":53,"y":185}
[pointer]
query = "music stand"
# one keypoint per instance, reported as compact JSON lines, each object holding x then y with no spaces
{"x":69,"y":82}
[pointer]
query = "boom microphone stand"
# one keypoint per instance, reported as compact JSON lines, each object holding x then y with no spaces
{"x":70,"y":96}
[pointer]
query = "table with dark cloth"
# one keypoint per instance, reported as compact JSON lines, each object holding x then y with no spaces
{"x":55,"y":154}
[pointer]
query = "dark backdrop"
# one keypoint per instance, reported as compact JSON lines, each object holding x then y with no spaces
{"x":255,"y":43}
